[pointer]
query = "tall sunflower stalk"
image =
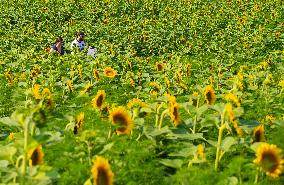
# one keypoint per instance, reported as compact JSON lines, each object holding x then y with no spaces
{"x":23,"y":158}
{"x":166,"y":111}
{"x":221,"y":128}
{"x":158,"y":107}
{"x":195,"y":117}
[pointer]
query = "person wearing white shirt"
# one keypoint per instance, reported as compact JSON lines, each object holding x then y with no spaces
{"x":79,"y":41}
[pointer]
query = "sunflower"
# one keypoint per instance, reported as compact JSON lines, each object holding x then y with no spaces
{"x":132,"y":82}
{"x":159,"y":66}
{"x":167,"y":82}
{"x":9,"y":77}
{"x":258,"y":134}
{"x":48,"y":96}
{"x":70,"y":86}
{"x":87,"y":88}
{"x":98,"y":100}
{"x":11,"y":136}
{"x":96,"y":74}
{"x":269,"y":158}
{"x":47,"y":50}
{"x":36,"y":91}
{"x":281,"y":83}
{"x":174,"y":113}
{"x":269,"y":118}
{"x":23,"y":76}
{"x":73,"y":70}
{"x":188,"y":69}
{"x":110,"y":72}
{"x":232,"y":97}
{"x":136,"y":102}
{"x":101,"y":171}
{"x":105,"y":109}
{"x":35,"y":156}
{"x":232,"y":118}
{"x":80,"y":119}
{"x":194,"y":98}
{"x":201,"y":152}
{"x":120,"y":116}
{"x":80,"y":71}
{"x":209,"y":95}
{"x":155,"y":87}
{"x":171,"y":99}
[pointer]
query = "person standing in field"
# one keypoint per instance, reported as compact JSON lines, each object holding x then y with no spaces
{"x":58,"y":46}
{"x":79,"y":42}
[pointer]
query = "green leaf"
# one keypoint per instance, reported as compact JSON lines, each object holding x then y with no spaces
{"x":106,"y":148}
{"x":4,"y":163}
{"x":232,"y":181}
{"x":201,"y":110}
{"x":174,"y":163}
{"x":157,"y":132}
{"x":185,"y":136}
{"x":8,"y":121}
{"x":7,"y":152}
{"x":185,"y":152}
{"x":227,"y":143}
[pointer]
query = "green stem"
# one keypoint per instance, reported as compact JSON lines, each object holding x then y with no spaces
{"x":89,"y":152}
{"x":221,"y":129}
{"x":195,"y":117}
{"x":17,"y":166}
{"x":218,"y":151}
{"x":26,"y":137}
{"x":162,"y":117}
{"x":256,"y":177}
{"x":157,"y":114}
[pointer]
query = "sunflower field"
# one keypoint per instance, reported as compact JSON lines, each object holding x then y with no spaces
{"x":180,"y":92}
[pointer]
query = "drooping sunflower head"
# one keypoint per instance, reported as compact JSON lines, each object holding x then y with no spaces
{"x":96,"y":74}
{"x":155,"y":87}
{"x":167,"y":82}
{"x":120,"y":117}
{"x":132,"y":82}
{"x":201,"y":151}
{"x":281,"y":83}
{"x":73,"y":70}
{"x":159,"y":66}
{"x":209,"y":95}
{"x":80,"y":119}
{"x":98,"y":101}
{"x":231,"y":117}
{"x":171,"y":99}
{"x":229,"y":112}
{"x":233,"y":98}
{"x":70,"y":85}
{"x":136,"y":102}
{"x":87,"y":88}
{"x":258,"y":134}
{"x":35,"y":156}
{"x":110,"y":72}
{"x":101,"y":172}
{"x":48,"y":97}
{"x":270,"y":118}
{"x":9,"y":76}
{"x":80,"y":70}
{"x":269,"y":158}
{"x":174,"y":113}
{"x":188,"y":69}
{"x":11,"y":136}
{"x":194,"y":98}
{"x":36,"y":91}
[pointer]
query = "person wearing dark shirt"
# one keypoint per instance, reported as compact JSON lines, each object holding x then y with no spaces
{"x":58,"y":46}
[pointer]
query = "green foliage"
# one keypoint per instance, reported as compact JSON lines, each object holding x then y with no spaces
{"x":157,"y":48}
